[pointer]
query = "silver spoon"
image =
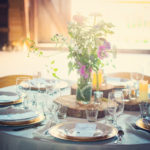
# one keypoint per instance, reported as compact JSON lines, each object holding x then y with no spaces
{"x":120,"y":134}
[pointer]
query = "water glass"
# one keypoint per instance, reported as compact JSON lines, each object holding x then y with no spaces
{"x":133,"y":91}
{"x":125,"y":93}
{"x":23,"y":88}
{"x":108,"y":117}
{"x":62,"y":111}
{"x":98,"y":95}
{"x":115,"y":105}
{"x":92,"y":113}
{"x":137,"y":74}
{"x":144,"y":109}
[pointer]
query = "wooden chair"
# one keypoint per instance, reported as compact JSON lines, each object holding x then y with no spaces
{"x":10,"y":80}
{"x":126,"y":75}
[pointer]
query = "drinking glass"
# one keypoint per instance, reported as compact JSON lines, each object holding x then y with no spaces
{"x":62,"y":111}
{"x":92,"y":113}
{"x":98,"y":95}
{"x":46,"y":103}
{"x":135,"y":77}
{"x":42,"y":96}
{"x":144,"y":109}
{"x":23,"y":88}
{"x":115,"y":105}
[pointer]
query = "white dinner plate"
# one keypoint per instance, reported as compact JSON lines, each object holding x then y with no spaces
{"x":68,"y":131}
{"x":8,"y":98}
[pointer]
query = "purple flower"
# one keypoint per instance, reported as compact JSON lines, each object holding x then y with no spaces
{"x":102,"y":53}
{"x":107,"y":45}
{"x":86,"y":76}
{"x":90,"y":70}
{"x":82,"y":71}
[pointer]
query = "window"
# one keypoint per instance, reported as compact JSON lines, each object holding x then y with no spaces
{"x":130,"y":18}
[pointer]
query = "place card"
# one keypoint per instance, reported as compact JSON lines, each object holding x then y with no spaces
{"x":84,"y":129}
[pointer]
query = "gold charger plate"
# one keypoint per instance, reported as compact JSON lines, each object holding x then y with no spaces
{"x":11,"y":103}
{"x":15,"y":101}
{"x":102,"y":132}
{"x":140,"y":123}
{"x":36,"y":120}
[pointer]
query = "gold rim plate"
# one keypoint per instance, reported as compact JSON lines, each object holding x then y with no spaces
{"x":140,"y":123}
{"x":102,"y":132}
{"x":36,"y":120}
{"x":16,"y":101}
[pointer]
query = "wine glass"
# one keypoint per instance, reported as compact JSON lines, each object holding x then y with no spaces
{"x":135,"y":77}
{"x":115,"y":105}
{"x":23,"y":88}
{"x":51,"y":107}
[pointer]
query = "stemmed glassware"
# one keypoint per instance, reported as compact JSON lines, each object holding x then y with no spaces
{"x":137,"y":74}
{"x":56,"y":112}
{"x":51,"y":109}
{"x":135,"y":77}
{"x":115,"y":105}
{"x":23,"y":88}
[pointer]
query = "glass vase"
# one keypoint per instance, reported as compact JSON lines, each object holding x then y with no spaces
{"x":84,"y":90}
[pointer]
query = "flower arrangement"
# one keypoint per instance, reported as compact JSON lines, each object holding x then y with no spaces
{"x":87,"y":45}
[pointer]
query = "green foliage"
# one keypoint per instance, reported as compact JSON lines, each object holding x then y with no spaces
{"x":85,"y":35}
{"x":33,"y":49}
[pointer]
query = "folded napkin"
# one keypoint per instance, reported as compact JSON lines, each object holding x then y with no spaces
{"x":41,"y":133}
{"x":6,"y":98}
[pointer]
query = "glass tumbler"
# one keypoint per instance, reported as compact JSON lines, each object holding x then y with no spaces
{"x":92,"y":113}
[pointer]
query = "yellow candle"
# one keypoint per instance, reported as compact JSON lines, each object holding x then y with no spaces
{"x":143,"y":90}
{"x":97,"y":79}
{"x":100,"y":77}
{"x":94,"y":80}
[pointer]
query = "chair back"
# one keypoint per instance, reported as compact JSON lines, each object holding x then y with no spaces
{"x":126,"y":75}
{"x":10,"y":80}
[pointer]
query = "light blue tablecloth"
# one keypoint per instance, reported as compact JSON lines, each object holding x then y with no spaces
{"x":23,"y":139}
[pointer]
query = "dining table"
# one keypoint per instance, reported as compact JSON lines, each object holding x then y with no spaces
{"x":38,"y":138}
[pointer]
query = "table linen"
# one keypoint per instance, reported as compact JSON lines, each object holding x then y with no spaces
{"x":26,"y":140}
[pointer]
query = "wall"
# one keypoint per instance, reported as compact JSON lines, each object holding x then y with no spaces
{"x":16,"y":21}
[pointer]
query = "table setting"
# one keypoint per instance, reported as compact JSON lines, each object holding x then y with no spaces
{"x":15,"y":119}
{"x":45,"y":113}
{"x":52,"y":123}
{"x":9,"y":98}
{"x":29,"y":95}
